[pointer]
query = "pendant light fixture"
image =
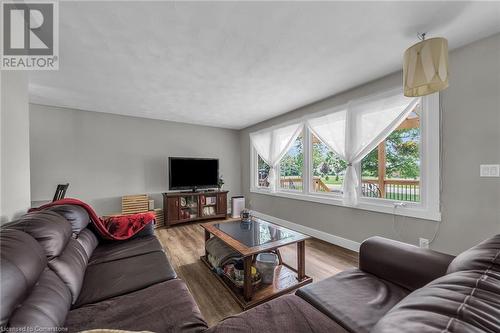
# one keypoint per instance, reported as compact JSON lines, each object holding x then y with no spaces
{"x":425,"y":68}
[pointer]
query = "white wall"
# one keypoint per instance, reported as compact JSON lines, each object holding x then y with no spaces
{"x":105,"y":156}
{"x":14,"y":151}
{"x":471,"y":136}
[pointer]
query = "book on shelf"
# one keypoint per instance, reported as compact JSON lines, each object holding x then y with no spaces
{"x":210,"y":200}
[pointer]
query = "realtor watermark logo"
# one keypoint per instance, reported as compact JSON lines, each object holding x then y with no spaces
{"x":30,"y":35}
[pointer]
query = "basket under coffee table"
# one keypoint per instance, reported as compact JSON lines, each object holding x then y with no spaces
{"x":250,"y":239}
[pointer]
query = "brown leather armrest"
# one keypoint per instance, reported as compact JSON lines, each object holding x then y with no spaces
{"x":406,"y":265}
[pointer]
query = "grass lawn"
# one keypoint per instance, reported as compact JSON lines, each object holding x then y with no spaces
{"x":395,"y":196}
{"x":331,"y":181}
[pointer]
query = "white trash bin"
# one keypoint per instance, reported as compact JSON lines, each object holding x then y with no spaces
{"x":265,"y":264}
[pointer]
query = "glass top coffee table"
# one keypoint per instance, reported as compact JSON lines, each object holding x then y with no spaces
{"x":249,"y":239}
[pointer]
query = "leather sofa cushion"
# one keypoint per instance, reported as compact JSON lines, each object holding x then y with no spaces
{"x":163,"y":307}
{"x":22,"y":260}
{"x":115,"y":250}
{"x":70,"y":266}
{"x":118,"y":277}
{"x":402,"y":263}
{"x":88,"y":240}
{"x":353,"y":298}
{"x":288,"y":313}
{"x":50,"y":229}
{"x":46,"y":306}
{"x":479,"y":257}
{"x":460,"y":302}
{"x":77,"y":216}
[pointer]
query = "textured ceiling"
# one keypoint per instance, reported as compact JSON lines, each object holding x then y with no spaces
{"x":233,"y":64}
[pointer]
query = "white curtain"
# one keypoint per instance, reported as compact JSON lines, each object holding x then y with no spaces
{"x":356,"y":130}
{"x":272,"y":144}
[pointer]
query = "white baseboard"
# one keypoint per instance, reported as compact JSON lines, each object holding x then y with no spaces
{"x":342,"y":242}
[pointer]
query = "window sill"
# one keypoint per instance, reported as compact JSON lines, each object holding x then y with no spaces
{"x":374,"y":205}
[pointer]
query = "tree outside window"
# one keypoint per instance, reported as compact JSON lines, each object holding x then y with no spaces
{"x":292,"y":166}
{"x":398,"y":178}
{"x":263,"y":172}
{"x":328,"y":168}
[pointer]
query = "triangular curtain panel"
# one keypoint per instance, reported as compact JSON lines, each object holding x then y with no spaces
{"x":350,"y":132}
{"x":272,"y":144}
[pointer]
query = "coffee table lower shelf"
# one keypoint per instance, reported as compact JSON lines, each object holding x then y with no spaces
{"x":285,"y":281}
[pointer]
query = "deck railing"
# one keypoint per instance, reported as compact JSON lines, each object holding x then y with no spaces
{"x":394,"y":189}
{"x":291,"y":183}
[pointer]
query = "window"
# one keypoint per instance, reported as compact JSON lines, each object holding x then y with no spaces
{"x":292,"y":166}
{"x":327,"y":167}
{"x":404,"y":168}
{"x":392,"y":170}
{"x":262,"y":173}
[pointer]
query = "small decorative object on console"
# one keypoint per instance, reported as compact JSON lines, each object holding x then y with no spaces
{"x":220,"y":182}
{"x":245,"y":215}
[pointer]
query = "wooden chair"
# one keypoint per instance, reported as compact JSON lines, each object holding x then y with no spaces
{"x":60,"y":191}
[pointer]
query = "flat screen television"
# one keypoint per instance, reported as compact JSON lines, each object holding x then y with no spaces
{"x":192,"y":173}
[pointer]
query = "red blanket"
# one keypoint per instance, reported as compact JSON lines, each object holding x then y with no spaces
{"x":116,"y":227}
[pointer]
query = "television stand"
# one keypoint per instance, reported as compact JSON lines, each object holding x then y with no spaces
{"x":194,"y":190}
{"x":182,"y":207}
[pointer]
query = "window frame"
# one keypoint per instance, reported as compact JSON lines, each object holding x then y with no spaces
{"x":429,"y":206}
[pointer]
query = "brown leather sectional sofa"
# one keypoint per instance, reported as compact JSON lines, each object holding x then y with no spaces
{"x":59,"y":274}
{"x":397,"y":288}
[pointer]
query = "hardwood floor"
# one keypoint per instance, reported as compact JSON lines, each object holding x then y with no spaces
{"x":184,"y":245}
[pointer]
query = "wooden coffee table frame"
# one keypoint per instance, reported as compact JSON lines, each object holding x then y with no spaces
{"x":286,"y":277}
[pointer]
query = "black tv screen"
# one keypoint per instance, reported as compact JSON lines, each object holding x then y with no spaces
{"x":191,"y":173}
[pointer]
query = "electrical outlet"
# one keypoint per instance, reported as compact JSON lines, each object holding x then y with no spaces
{"x":489,"y":170}
{"x":424,"y":243}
